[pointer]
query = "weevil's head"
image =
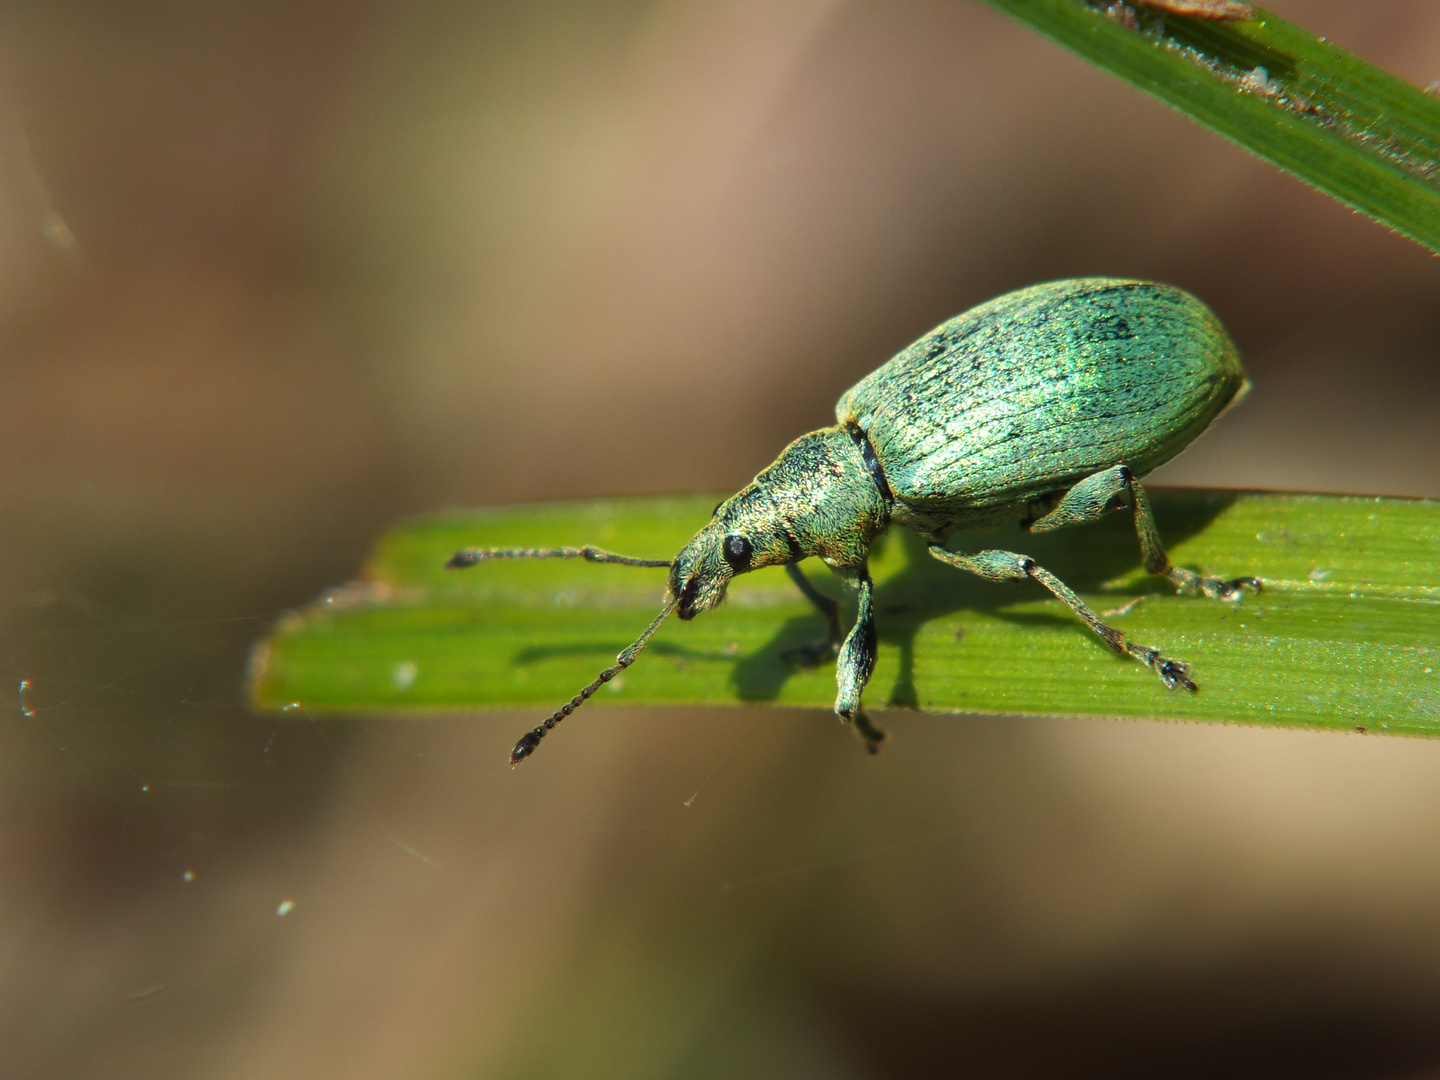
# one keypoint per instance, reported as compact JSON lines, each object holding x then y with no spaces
{"x":745,"y":533}
{"x":817,"y":498}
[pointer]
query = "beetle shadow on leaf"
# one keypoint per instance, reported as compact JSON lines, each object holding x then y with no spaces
{"x":1084,"y":557}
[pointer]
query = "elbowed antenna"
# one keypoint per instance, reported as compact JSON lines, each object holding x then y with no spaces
{"x":470,"y":556}
{"x":531,"y":739}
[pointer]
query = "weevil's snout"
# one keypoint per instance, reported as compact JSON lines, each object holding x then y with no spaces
{"x":745,"y":533}
{"x":700,"y":574}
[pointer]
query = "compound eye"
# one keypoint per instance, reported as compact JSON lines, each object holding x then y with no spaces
{"x":736,"y":550}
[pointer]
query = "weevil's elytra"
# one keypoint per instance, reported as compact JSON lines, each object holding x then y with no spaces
{"x":1044,"y":406}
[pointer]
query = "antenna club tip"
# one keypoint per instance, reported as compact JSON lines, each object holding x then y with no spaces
{"x":463,"y":558}
{"x":526,"y":746}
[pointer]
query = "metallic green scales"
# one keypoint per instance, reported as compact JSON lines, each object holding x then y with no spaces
{"x":1029,"y":393}
{"x":1044,"y":406}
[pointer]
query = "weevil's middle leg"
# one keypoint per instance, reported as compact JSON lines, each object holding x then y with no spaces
{"x":1008,"y":566}
{"x":812,"y":653}
{"x":1097,"y":495}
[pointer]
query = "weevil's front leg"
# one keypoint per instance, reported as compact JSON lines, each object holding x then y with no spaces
{"x":1008,"y":566}
{"x":857,"y":659}
{"x":812,"y":653}
{"x":470,"y":556}
{"x":1097,"y":495}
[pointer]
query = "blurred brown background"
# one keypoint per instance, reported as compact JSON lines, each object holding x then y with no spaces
{"x":273,"y":275}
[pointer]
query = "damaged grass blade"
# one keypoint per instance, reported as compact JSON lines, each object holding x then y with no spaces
{"x":1345,"y":635}
{"x":1338,"y":123}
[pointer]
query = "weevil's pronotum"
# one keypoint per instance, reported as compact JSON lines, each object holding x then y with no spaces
{"x":1045,"y":406}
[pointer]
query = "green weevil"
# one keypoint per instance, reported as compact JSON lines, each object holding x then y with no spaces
{"x":1044,"y":406}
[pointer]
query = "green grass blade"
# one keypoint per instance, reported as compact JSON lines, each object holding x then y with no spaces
{"x":1346,"y":634}
{"x":1343,"y":125}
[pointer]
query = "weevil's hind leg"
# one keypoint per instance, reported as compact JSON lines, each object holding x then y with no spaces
{"x":856,"y":661}
{"x":1097,"y":495}
{"x":1157,"y":562}
{"x":814,"y":653}
{"x":470,"y":556}
{"x":1008,"y":566}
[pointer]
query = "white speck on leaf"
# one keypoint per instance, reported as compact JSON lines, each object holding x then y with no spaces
{"x":403,"y":677}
